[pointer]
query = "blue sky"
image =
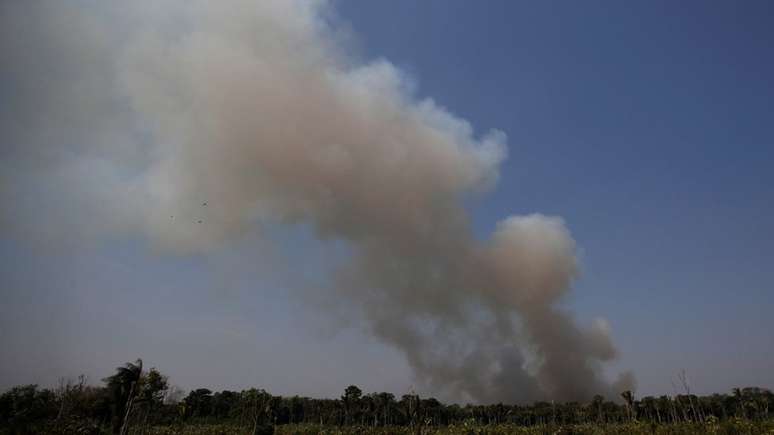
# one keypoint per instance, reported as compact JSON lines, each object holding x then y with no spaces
{"x":647,"y":126}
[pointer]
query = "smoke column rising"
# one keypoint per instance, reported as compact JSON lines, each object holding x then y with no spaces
{"x":257,"y":107}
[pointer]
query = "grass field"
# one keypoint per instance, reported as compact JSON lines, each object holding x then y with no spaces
{"x":737,"y":426}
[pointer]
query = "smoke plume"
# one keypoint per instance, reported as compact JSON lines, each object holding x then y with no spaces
{"x":259,"y":109}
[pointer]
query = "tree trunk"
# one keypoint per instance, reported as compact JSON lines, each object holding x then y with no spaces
{"x":125,"y":425}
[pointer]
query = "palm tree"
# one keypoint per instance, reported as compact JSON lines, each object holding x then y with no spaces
{"x":123,"y":385}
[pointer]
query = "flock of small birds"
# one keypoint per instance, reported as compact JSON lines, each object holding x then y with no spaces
{"x":204,"y":204}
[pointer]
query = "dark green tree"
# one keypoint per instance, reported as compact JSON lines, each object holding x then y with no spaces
{"x":123,"y":387}
{"x":351,"y":402}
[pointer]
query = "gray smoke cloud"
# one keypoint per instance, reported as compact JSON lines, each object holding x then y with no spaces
{"x":136,"y":114}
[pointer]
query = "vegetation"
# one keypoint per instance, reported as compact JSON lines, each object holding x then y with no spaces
{"x":134,"y":401}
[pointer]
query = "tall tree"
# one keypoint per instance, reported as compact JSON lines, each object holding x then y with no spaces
{"x":351,"y":401}
{"x":123,"y":386}
{"x":153,"y":387}
{"x":629,"y":399}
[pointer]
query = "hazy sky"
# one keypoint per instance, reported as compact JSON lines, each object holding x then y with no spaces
{"x":647,"y":126}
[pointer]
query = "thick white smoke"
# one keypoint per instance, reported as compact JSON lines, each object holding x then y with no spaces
{"x":256,"y":108}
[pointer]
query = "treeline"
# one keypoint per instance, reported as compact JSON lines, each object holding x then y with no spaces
{"x":136,"y":399}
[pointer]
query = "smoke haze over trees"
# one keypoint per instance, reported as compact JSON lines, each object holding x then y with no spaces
{"x":257,"y":112}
